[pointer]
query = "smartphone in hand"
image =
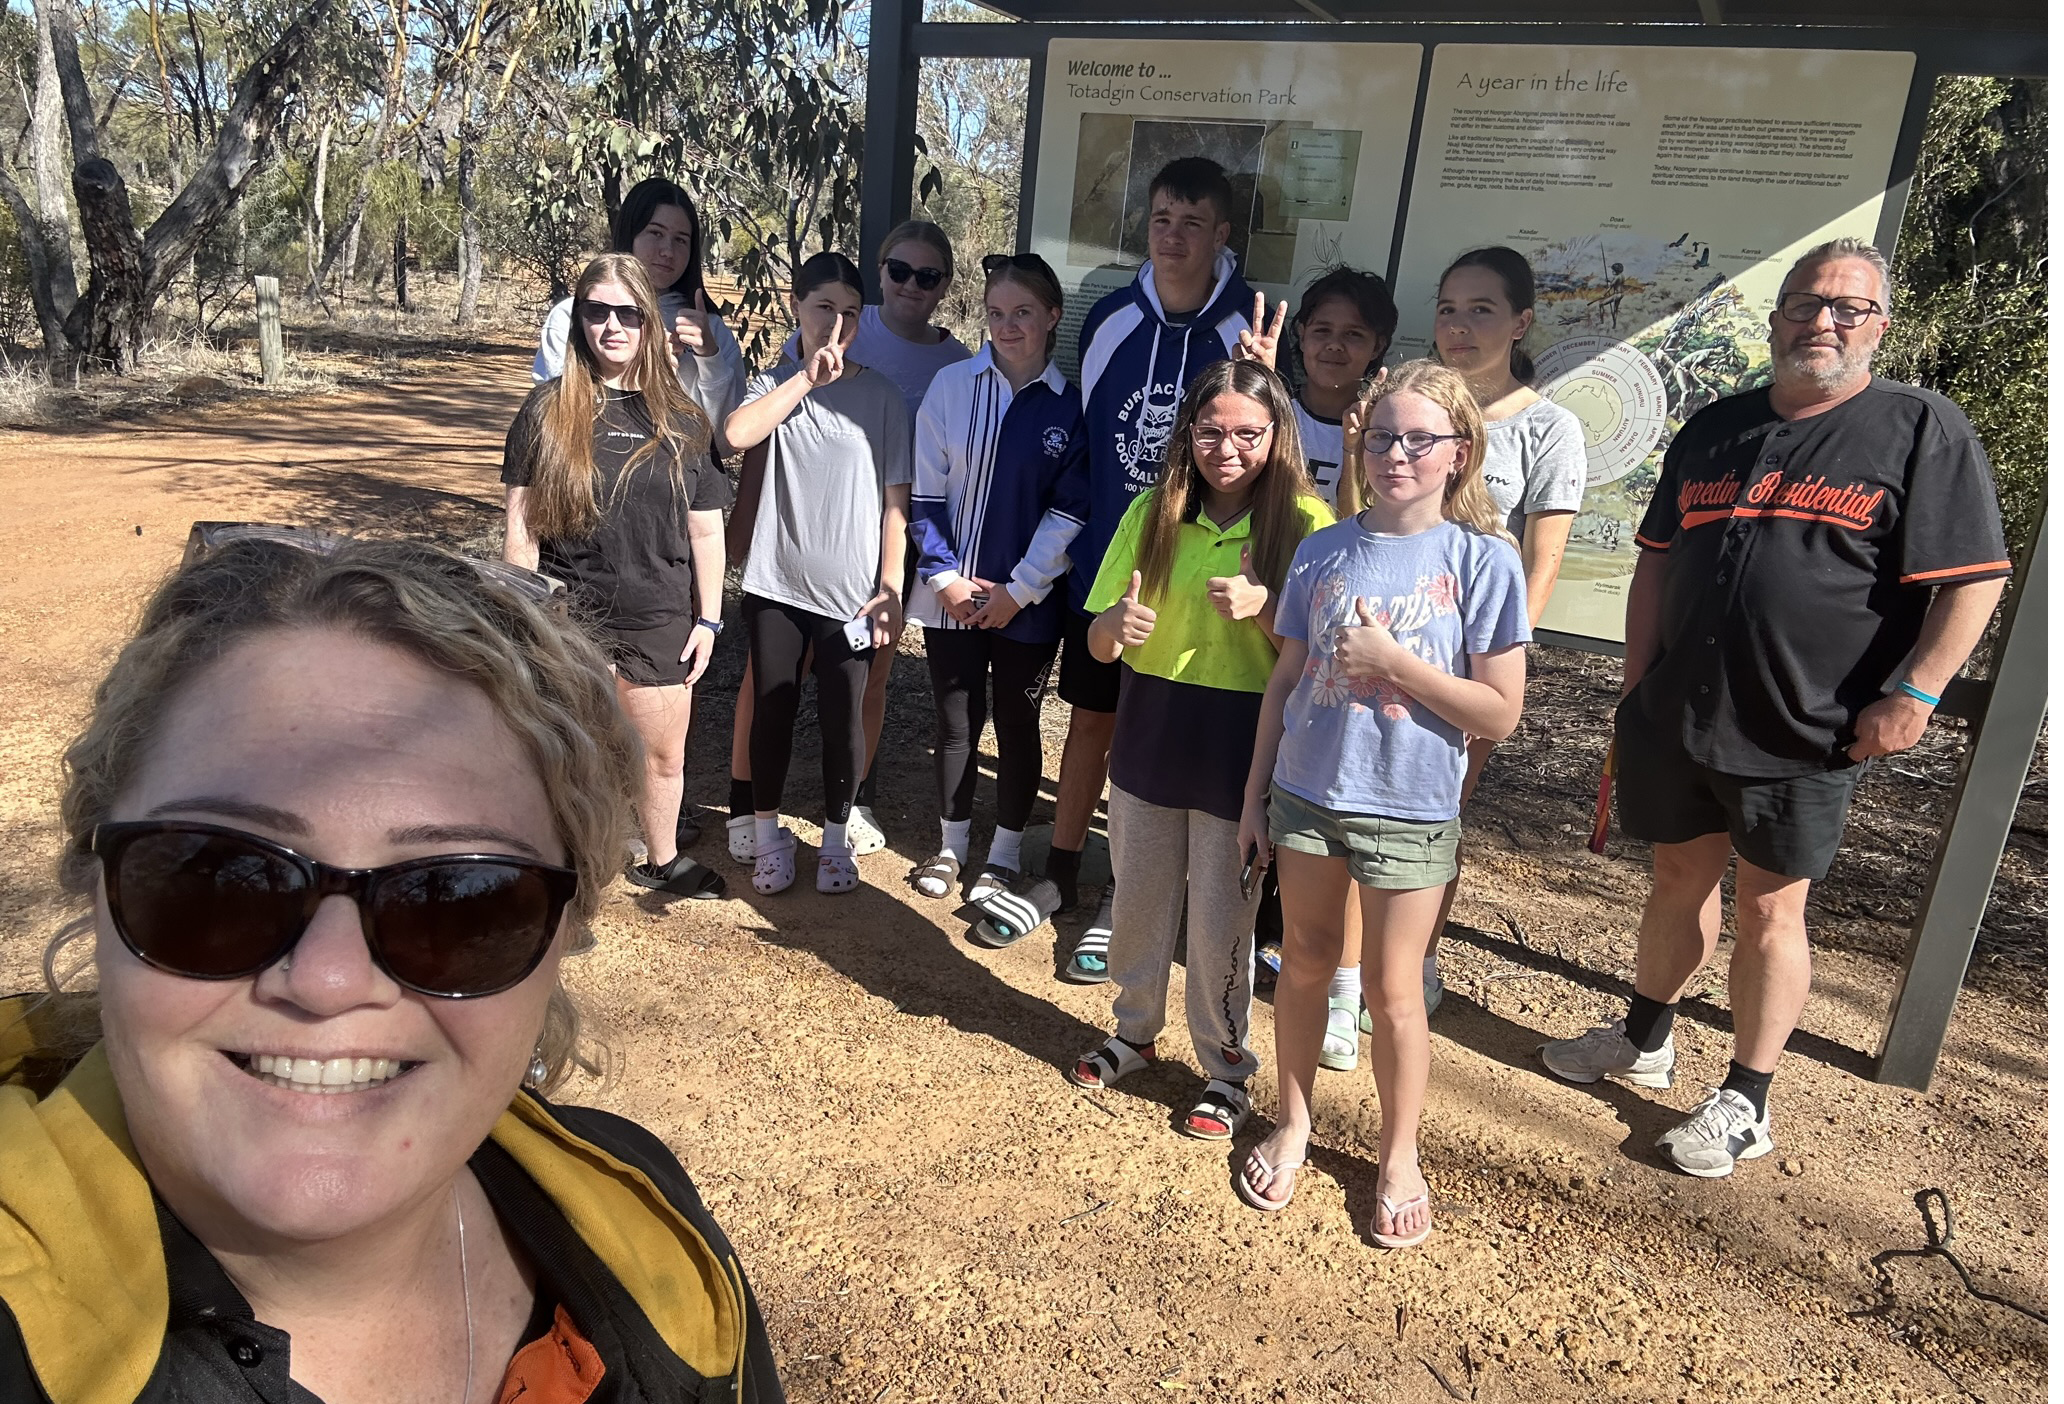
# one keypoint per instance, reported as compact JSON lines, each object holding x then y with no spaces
{"x":859,"y":634}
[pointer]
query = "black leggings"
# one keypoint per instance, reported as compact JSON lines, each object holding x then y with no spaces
{"x":779,"y":635}
{"x":962,"y":661}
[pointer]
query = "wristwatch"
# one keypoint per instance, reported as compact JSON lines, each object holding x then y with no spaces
{"x":715,"y":626}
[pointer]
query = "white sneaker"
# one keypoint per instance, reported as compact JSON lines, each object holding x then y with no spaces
{"x":1341,"y":1046}
{"x":1720,"y":1130}
{"x":863,"y":835}
{"x":1606,"y":1051}
{"x":738,"y":838}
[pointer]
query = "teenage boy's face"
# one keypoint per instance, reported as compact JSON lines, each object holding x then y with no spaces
{"x":1184,"y":236}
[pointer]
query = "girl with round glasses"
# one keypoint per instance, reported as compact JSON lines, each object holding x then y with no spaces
{"x":1402,"y":629}
{"x":1534,"y":458}
{"x":611,"y":489}
{"x":334,"y":823}
{"x":1185,"y":598}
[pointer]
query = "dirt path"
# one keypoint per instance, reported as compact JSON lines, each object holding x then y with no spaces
{"x":874,"y":1107}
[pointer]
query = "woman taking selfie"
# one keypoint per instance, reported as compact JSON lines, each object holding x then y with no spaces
{"x":333,"y":823}
{"x":612,"y":490}
{"x":1000,"y":490}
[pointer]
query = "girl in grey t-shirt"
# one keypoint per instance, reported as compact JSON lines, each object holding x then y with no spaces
{"x":829,"y":441}
{"x":1534,"y":461}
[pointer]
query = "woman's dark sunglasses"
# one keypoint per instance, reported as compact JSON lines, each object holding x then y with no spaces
{"x":992,"y":264}
{"x":597,"y":314}
{"x":901,"y":272}
{"x":210,"y":903}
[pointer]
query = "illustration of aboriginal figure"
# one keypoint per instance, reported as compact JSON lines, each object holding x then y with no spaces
{"x":1408,"y":617}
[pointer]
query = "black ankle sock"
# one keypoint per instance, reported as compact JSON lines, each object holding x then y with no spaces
{"x":1751,"y":1084}
{"x":1648,"y":1022}
{"x":741,"y":798}
{"x":865,"y":794}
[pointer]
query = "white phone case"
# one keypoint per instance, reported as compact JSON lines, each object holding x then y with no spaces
{"x":860,"y":635}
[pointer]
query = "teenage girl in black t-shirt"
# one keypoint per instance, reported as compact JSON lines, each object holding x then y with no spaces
{"x":612,"y":490}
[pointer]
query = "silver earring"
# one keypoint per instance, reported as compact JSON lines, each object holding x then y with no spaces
{"x":538,"y":1072}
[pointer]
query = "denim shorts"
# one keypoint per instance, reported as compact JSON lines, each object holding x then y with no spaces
{"x":1381,"y":852}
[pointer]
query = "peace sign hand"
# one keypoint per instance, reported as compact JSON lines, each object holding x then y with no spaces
{"x":1260,"y":343}
{"x":830,"y":361}
{"x":692,"y":333}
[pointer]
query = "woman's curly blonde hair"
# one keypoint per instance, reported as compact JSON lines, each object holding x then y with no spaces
{"x":546,"y":678}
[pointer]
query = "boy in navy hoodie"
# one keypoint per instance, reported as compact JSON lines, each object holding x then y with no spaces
{"x":1140,"y":348}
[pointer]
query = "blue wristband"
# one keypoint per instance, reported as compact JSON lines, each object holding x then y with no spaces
{"x":1919,"y":696}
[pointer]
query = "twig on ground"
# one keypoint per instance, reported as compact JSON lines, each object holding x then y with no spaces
{"x":1518,"y":932}
{"x":1446,"y":1383}
{"x":1939,"y":1236}
{"x":1100,"y":1208}
{"x":1100,"y":1106}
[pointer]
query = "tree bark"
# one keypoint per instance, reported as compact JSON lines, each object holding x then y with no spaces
{"x":52,"y":217}
{"x":469,"y":222}
{"x":401,"y":262}
{"x":315,"y":234}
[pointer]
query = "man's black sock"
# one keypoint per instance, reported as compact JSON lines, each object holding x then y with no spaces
{"x":1750,"y":1083}
{"x":741,"y":798}
{"x":864,"y":796}
{"x":1648,"y":1022}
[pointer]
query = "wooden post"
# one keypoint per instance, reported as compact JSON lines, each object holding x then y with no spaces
{"x":272,"y":351}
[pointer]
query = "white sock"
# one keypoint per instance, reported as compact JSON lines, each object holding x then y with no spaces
{"x":1347,"y":983}
{"x":1003,"y":849}
{"x":1429,"y":970}
{"x":766,"y":832}
{"x":953,"y":838}
{"x":835,"y":839}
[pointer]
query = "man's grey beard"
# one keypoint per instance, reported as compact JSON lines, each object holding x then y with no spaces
{"x":1852,"y":363}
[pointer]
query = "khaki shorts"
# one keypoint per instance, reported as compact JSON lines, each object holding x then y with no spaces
{"x":1397,"y":854}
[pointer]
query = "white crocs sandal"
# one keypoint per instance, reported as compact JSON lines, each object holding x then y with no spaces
{"x":774,"y":866}
{"x":739,"y":839}
{"x":863,"y":833}
{"x":836,"y":871}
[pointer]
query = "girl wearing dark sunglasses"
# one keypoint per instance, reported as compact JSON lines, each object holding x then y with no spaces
{"x":612,"y":490}
{"x":336,"y":821}
{"x":658,"y":225}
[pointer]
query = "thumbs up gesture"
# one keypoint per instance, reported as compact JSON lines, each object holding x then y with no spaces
{"x":1259,"y":344}
{"x":691,"y":330}
{"x":1367,"y":648}
{"x":1241,"y":596}
{"x":1130,"y":620}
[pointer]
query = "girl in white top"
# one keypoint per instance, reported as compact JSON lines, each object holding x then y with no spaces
{"x":659,"y":227}
{"x":1534,"y":458}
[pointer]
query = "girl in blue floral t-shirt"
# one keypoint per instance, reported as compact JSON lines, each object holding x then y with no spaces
{"x":1402,"y":628}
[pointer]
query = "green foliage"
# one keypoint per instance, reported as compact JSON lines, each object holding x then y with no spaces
{"x":1970,"y":278}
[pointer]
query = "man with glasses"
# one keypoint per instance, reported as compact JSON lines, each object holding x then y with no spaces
{"x":1818,"y":561}
{"x":1141,"y":346}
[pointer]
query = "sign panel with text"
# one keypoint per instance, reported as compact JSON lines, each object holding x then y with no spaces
{"x":1312,"y":138}
{"x":1659,"y":194}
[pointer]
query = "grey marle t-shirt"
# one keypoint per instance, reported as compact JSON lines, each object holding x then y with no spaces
{"x":817,"y":538}
{"x":1535,"y":462}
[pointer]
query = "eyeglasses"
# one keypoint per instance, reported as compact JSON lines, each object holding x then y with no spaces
{"x":596,"y":314}
{"x":1848,"y":311}
{"x":992,"y":264}
{"x":209,"y":903}
{"x":901,"y":272}
{"x":1210,"y":437}
{"x":1418,"y":442}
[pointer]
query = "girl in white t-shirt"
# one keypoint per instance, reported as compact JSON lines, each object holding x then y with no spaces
{"x":1534,"y":457}
{"x":659,"y":227}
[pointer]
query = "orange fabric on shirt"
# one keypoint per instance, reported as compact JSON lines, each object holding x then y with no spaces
{"x":559,"y":1367}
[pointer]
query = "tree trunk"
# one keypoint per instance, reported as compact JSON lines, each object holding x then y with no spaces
{"x":109,"y":322}
{"x":52,"y":220}
{"x":401,"y":262}
{"x":49,"y":316}
{"x":469,"y":223}
{"x":315,"y":229}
